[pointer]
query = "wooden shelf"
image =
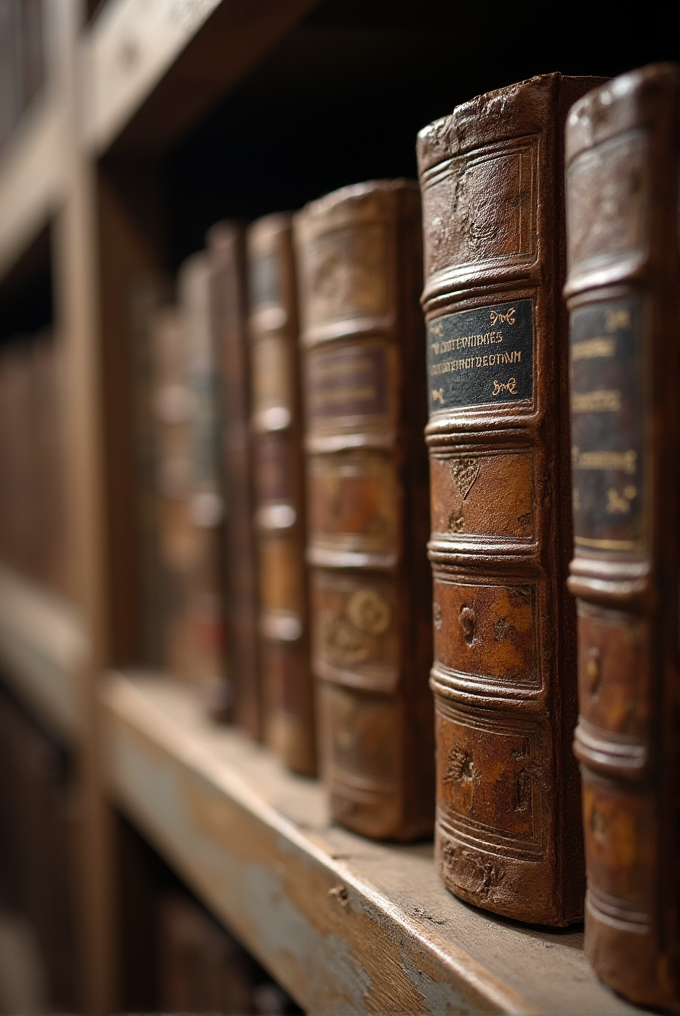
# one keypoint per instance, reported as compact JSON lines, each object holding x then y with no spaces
{"x":32,"y":178}
{"x":345,"y":924}
{"x":151,"y":70}
{"x":42,"y":648}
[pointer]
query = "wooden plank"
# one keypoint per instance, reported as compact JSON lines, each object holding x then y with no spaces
{"x":42,"y":648}
{"x":149,"y":70}
{"x":346,"y":925}
{"x":32,"y":177}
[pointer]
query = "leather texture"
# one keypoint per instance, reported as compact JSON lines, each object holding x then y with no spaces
{"x":623,"y":143}
{"x":504,"y":677}
{"x":360,"y":269}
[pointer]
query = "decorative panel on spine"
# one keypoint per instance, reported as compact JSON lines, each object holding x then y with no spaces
{"x":276,"y":418}
{"x":623,"y":147}
{"x":504,"y":676}
{"x":363,"y":364}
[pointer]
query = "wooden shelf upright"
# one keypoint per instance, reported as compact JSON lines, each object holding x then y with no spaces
{"x":157,"y":119}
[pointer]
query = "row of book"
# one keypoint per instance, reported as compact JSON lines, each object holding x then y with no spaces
{"x":290,"y":399}
{"x":33,"y":512}
{"x":285,"y":512}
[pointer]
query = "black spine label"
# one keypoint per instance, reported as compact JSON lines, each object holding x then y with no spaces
{"x":482,"y":356}
{"x":607,"y":425}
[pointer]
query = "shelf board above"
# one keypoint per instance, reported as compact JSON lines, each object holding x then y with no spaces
{"x":150,"y":70}
{"x":32,"y":177}
{"x":42,"y":647}
{"x":345,"y":924}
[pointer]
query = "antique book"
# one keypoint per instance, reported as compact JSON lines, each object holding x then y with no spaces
{"x":622,"y":152}
{"x":171,"y":440}
{"x":362,"y":334}
{"x":285,"y":674}
{"x":226,"y":246}
{"x":508,"y":831}
{"x":206,"y":592}
{"x":146,"y":297}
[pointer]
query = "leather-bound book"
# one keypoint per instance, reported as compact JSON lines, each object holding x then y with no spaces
{"x":177,"y":536}
{"x":227,"y":253}
{"x":206,"y":599}
{"x":288,"y":710}
{"x":362,"y":341}
{"x":623,"y":148}
{"x":508,"y":831}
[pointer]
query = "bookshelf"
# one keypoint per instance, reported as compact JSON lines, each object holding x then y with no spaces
{"x":157,"y":120}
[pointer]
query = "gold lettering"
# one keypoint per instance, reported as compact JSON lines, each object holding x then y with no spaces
{"x":510,"y":386}
{"x":592,"y":348}
{"x":615,"y":319}
{"x":617,"y":504}
{"x":602,"y":400}
{"x":508,"y":318}
{"x":438,"y":395}
{"x":625,"y":461}
{"x":470,"y":362}
{"x":465,"y":342}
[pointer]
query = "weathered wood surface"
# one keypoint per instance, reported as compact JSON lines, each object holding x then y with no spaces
{"x":32,"y":178}
{"x":42,"y":647}
{"x":149,"y":70}
{"x":346,"y":925}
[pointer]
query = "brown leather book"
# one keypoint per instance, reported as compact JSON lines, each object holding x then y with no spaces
{"x":206,"y":593}
{"x":362,"y":340}
{"x":623,"y":149}
{"x":288,"y":707}
{"x":227,"y":254}
{"x":177,"y":536}
{"x":508,"y":832}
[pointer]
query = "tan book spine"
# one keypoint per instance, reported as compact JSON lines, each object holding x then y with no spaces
{"x":508,"y":834}
{"x":362,"y":348}
{"x":276,"y":418}
{"x":623,"y":151}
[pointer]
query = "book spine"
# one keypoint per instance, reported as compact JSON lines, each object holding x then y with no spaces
{"x":507,"y":828}
{"x":622,"y":202}
{"x":287,"y":686}
{"x":227,"y":252}
{"x":176,"y":536}
{"x":362,"y":333}
{"x":206,"y":587}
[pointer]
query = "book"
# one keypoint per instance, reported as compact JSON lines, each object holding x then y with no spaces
{"x":622,"y":151}
{"x":205,"y":589}
{"x":276,"y":416}
{"x":148,"y":295}
{"x":360,"y":270}
{"x":226,"y":246}
{"x":508,"y":831}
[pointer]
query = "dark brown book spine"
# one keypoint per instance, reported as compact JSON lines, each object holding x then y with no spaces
{"x":177,"y":536}
{"x":508,"y":832}
{"x":362,"y":347}
{"x":227,"y":253}
{"x":287,"y":687}
{"x":206,"y":594}
{"x":623,"y":146}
